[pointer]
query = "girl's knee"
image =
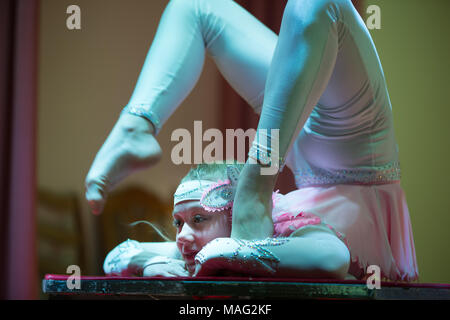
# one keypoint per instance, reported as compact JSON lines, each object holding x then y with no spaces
{"x":183,"y":8}
{"x":302,"y":15}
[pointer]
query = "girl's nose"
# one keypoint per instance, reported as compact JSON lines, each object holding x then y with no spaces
{"x":186,"y":234}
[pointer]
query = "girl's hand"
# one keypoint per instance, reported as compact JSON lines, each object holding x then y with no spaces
{"x":164,"y":267}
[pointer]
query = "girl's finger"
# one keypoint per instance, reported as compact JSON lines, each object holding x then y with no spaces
{"x":179,"y":271}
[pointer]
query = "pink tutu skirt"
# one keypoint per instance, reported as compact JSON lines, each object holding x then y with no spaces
{"x":372,"y":220}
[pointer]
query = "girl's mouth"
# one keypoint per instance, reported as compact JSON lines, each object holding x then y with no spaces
{"x":189,"y":259}
{"x":189,"y":256}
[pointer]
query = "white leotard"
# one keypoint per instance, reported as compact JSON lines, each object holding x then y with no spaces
{"x":321,"y":83}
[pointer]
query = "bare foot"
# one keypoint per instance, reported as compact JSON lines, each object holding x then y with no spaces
{"x":130,"y":146}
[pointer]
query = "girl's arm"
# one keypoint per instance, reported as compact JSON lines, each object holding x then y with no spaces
{"x":313,"y":252}
{"x":131,"y":257}
{"x":167,"y":248}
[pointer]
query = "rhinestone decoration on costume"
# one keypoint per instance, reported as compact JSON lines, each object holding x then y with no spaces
{"x":265,"y":158}
{"x":219,"y":196}
{"x":122,"y":254}
{"x":142,"y":110}
{"x":233,"y":174}
{"x":259,"y":252}
{"x":249,"y":253}
{"x":191,"y":190}
{"x":318,"y":176}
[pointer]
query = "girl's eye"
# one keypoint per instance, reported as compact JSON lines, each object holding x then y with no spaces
{"x":198,"y":218}
{"x":176,"y":223}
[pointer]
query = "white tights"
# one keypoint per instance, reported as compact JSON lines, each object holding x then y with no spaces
{"x":320,"y":83}
{"x":284,"y":76}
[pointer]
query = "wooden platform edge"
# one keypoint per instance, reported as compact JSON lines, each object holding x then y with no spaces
{"x":239,"y":289}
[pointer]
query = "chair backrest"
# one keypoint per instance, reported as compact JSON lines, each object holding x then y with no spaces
{"x":126,"y":206}
{"x":60,"y":236}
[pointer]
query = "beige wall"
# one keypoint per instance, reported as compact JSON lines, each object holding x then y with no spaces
{"x":86,"y":77}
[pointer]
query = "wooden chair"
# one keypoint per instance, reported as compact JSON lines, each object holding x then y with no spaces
{"x":129,"y":205}
{"x":60,"y":236}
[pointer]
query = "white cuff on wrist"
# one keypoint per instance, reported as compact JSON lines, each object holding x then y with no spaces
{"x":143,"y":110}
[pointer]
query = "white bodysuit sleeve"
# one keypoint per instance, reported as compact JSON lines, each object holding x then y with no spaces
{"x":117,"y":262}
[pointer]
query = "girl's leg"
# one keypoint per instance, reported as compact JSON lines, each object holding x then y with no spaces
{"x":302,"y":65}
{"x":241,"y":46}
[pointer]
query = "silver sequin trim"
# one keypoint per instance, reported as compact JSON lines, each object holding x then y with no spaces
{"x":265,"y":158}
{"x":142,"y":111}
{"x":181,"y":196}
{"x":259,"y":252}
{"x":318,"y":176}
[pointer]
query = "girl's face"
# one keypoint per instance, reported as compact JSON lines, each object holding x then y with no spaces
{"x":196,"y":227}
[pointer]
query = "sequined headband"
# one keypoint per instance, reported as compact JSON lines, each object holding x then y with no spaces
{"x":191,"y":190}
{"x":213,"y":196}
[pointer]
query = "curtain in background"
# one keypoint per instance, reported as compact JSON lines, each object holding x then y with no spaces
{"x":235,"y":111}
{"x":18,"y":100}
